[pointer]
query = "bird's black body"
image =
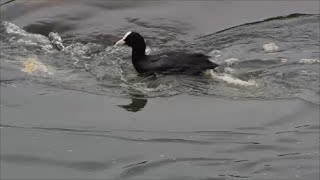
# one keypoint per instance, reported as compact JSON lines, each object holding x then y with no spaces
{"x":168,"y":63}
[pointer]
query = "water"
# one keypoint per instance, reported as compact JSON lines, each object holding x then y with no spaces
{"x":291,"y":71}
{"x":266,"y":65}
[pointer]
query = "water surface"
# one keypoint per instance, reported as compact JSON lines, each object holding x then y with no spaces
{"x":85,"y":113}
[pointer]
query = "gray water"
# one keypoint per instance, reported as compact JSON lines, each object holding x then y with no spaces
{"x":85,"y":113}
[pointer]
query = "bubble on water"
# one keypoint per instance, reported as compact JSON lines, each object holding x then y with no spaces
{"x":279,"y":74}
{"x":283,"y":60}
{"x":87,"y":67}
{"x":270,"y":48}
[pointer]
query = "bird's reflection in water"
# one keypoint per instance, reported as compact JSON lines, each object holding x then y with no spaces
{"x":136,"y":105}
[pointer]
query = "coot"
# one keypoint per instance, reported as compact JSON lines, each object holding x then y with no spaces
{"x":168,"y":63}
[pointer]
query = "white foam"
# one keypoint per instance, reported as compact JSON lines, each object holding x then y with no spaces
{"x":25,"y":37}
{"x":229,"y":79}
{"x":152,"y":51}
{"x":148,"y":50}
{"x":270,"y":48}
{"x":231,"y":61}
{"x":229,"y":70}
{"x":215,"y":53}
{"x":309,"y":61}
{"x":26,"y":42}
{"x":12,"y":28}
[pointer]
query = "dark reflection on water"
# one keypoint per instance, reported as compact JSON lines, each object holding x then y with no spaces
{"x":45,"y":28}
{"x":136,"y":105}
{"x":78,"y":165}
{"x":141,"y":168}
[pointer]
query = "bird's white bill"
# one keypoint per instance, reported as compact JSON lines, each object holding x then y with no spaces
{"x":120,"y":42}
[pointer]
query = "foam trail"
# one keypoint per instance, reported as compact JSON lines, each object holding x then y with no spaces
{"x":309,"y":61}
{"x":229,"y":79}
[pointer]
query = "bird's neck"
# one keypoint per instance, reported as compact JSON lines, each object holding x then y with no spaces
{"x":138,"y":53}
{"x":138,"y":56}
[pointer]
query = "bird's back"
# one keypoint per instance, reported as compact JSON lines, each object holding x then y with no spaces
{"x":175,"y":63}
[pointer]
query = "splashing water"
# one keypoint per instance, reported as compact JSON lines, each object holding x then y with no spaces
{"x":229,"y":79}
{"x":251,"y":64}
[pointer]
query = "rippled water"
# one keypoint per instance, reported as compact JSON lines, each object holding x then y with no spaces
{"x":247,"y":69}
{"x":254,"y":117}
